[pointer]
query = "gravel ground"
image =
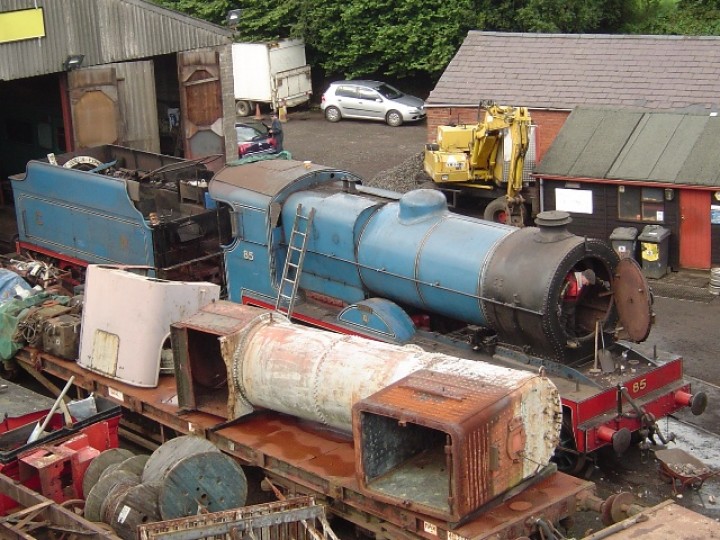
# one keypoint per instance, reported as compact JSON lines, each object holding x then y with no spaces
{"x":386,"y":157}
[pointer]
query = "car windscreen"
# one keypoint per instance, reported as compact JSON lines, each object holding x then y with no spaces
{"x":246,"y":133}
{"x":389,"y":92}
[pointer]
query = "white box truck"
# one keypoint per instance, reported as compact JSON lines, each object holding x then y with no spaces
{"x":273,"y":73}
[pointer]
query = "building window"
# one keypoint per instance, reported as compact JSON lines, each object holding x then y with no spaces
{"x":641,"y":204}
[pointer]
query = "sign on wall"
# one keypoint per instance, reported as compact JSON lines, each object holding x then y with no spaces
{"x":22,"y":24}
{"x":578,"y":201}
{"x":715,"y":214}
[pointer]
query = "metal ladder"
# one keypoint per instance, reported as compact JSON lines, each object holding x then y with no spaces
{"x":293,"y":263}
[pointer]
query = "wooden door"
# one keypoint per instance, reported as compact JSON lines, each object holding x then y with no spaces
{"x":95,"y":109}
{"x":201,"y":108}
{"x":115,"y":104}
{"x":694,"y":229}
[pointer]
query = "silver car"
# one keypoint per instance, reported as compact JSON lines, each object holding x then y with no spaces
{"x":371,"y":100}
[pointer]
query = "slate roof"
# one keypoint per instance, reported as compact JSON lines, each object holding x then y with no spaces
{"x":648,"y":146}
{"x":561,"y":71}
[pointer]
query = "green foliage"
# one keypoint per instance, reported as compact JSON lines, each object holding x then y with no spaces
{"x":551,"y":16}
{"x":689,"y":17}
{"x":400,"y":39}
{"x":210,"y":10}
{"x":354,"y":38}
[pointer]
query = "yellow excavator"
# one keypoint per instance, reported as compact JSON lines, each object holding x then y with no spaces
{"x":471,"y":159}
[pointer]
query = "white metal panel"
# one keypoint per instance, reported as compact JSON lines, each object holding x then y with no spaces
{"x":287,"y":54}
{"x":251,"y":71}
{"x":138,"y":312}
{"x":268,"y":72}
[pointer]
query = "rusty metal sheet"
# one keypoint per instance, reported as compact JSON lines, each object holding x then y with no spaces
{"x":201,"y":105}
{"x":552,"y":498}
{"x":467,"y":437}
{"x":94,"y":99}
{"x":665,"y":521}
{"x":202,"y":347}
{"x":324,"y":453}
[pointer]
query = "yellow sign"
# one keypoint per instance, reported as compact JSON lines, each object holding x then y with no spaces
{"x":650,"y":252}
{"x":19,"y":25}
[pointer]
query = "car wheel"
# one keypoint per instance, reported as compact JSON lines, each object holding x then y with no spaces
{"x":394,"y":118}
{"x":243,"y":108}
{"x":332,"y":114}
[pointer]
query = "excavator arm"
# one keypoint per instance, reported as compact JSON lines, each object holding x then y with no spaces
{"x":487,"y":154}
{"x":474,"y":156}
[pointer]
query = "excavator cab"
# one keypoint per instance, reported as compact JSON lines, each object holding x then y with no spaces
{"x":474,"y":157}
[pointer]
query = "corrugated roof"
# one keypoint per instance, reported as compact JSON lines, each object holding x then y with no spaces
{"x":105,"y":31}
{"x":648,"y":146}
{"x":562,"y":71}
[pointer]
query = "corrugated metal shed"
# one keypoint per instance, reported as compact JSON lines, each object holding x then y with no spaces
{"x":105,"y":31}
{"x":562,"y":71}
{"x":680,"y":148}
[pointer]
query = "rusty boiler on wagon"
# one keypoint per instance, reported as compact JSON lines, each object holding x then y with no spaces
{"x":438,"y":434}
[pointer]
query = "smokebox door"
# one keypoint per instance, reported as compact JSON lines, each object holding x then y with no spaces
{"x":632,"y":299}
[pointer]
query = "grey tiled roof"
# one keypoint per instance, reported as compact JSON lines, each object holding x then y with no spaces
{"x":561,"y":71}
{"x":646,"y":146}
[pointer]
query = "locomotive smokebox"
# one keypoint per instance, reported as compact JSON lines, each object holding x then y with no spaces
{"x":522,"y":284}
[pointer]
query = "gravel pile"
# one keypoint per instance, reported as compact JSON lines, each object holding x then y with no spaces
{"x":405,"y":177}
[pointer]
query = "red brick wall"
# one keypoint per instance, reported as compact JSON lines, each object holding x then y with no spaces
{"x":548,"y":123}
{"x":548,"y":126}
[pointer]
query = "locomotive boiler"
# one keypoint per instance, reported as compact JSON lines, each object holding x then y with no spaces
{"x":423,"y":261}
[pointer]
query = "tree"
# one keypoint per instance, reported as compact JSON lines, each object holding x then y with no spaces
{"x":210,"y":10}
{"x":689,"y":17}
{"x":552,"y":16}
{"x":399,"y":39}
{"x":352,"y":38}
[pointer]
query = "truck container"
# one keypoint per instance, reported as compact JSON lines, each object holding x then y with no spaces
{"x":270,"y":73}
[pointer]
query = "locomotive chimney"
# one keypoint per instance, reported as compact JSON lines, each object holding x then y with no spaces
{"x":553,"y":225}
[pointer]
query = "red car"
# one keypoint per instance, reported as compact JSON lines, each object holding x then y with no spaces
{"x":254,"y":139}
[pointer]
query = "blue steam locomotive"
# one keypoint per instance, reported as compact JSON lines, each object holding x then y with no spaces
{"x":312,"y":241}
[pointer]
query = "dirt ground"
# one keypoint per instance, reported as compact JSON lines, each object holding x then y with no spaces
{"x":365,"y":148}
{"x":687,"y":328}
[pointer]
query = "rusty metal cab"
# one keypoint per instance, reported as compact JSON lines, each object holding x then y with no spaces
{"x":439,"y":444}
